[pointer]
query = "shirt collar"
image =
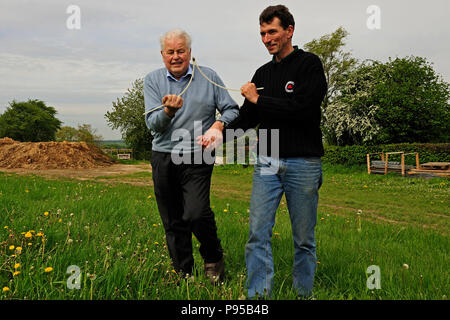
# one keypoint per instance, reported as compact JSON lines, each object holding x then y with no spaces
{"x":171,"y":77}
{"x":290,"y":54}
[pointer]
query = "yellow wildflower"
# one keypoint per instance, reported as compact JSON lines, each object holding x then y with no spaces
{"x":5,"y":289}
{"x":19,"y":249}
{"x":16,"y":273}
{"x":28,"y":234}
{"x":46,"y":213}
{"x":48,"y":269}
{"x":17,"y":266}
{"x":39,"y":234}
{"x":11,"y":247}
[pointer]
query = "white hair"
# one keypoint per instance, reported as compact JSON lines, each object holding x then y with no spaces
{"x":175,"y":33}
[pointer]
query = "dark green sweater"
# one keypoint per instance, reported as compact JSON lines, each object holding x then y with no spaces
{"x":290,"y":101}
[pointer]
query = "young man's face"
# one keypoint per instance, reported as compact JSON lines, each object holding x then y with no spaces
{"x":176,"y":56}
{"x":276,"y":39}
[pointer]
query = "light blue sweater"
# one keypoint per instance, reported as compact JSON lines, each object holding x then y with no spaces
{"x":200,"y":102}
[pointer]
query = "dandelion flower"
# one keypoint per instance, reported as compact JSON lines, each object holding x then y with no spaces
{"x":48,"y":269}
{"x":5,"y":227}
{"x":19,"y":249}
{"x":225,"y":210}
{"x":28,"y":234}
{"x":29,"y":243}
{"x":11,"y":247}
{"x":17,"y":266}
{"x":16,"y":273}
{"x":39,"y":234}
{"x":5,"y":289}
{"x":46,"y":213}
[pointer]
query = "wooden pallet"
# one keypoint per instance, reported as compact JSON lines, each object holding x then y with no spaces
{"x":384,"y":166}
{"x":441,"y":169}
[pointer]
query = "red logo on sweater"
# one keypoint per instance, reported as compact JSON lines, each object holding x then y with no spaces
{"x":289,"y":87}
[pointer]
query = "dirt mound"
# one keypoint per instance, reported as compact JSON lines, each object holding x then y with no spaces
{"x":51,"y":155}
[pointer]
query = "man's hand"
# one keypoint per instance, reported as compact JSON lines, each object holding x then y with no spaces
{"x":249,"y":91}
{"x":212,"y":137}
{"x":172,"y":104}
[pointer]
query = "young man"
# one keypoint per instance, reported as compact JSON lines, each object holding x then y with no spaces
{"x":182,"y":189}
{"x":294,"y":86}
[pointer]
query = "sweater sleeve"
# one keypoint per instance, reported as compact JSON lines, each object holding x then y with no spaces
{"x":227,"y":107}
{"x":248,"y":114}
{"x":307,"y":95}
{"x":157,"y":120}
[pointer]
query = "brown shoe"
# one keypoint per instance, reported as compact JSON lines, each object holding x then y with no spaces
{"x":215,"y":271}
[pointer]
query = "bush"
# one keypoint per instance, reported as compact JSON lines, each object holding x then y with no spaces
{"x":354,"y":155}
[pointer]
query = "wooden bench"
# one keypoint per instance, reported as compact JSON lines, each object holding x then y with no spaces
{"x":120,"y":153}
{"x":124,"y":156}
{"x":384,"y":166}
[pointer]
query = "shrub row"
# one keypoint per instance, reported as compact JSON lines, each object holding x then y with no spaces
{"x":355,"y":155}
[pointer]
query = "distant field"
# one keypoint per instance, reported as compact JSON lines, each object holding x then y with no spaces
{"x":112,"y":231}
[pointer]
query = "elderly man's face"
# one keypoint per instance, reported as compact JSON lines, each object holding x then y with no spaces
{"x":176,"y":56}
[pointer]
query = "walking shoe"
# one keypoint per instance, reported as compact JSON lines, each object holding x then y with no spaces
{"x":215,"y":271}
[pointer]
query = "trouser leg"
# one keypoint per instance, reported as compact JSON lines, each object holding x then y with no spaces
{"x":266,"y":195}
{"x":196,"y":184}
{"x":169,"y":197}
{"x":302,"y":181}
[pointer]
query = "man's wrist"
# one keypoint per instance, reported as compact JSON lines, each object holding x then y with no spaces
{"x":220,"y":124}
{"x":169,"y":113}
{"x":255,"y":100}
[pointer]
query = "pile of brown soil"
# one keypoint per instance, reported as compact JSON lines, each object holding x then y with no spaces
{"x":51,"y":155}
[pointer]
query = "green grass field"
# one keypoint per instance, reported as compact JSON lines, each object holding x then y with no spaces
{"x":113,"y":233}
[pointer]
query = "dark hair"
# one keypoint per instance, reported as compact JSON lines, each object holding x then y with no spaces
{"x":279,"y":11}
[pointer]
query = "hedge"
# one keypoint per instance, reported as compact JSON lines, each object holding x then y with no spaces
{"x":356,"y":155}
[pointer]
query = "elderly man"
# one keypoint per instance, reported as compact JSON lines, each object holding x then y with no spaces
{"x":294,"y":86}
{"x":182,"y":189}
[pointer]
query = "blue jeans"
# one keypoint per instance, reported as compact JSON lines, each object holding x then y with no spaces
{"x":300,"y":180}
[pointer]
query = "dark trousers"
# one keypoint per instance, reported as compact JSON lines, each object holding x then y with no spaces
{"x":182,"y":195}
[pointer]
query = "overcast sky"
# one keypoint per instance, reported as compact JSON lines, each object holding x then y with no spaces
{"x":82,"y":71}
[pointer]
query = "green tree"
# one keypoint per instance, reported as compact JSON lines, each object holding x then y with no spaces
{"x":402,"y":100}
{"x":85,"y":133}
{"x":29,"y":121}
{"x":352,"y":114}
{"x":336,"y":62}
{"x":67,"y":133}
{"x":413,"y":102}
{"x":127,"y":116}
